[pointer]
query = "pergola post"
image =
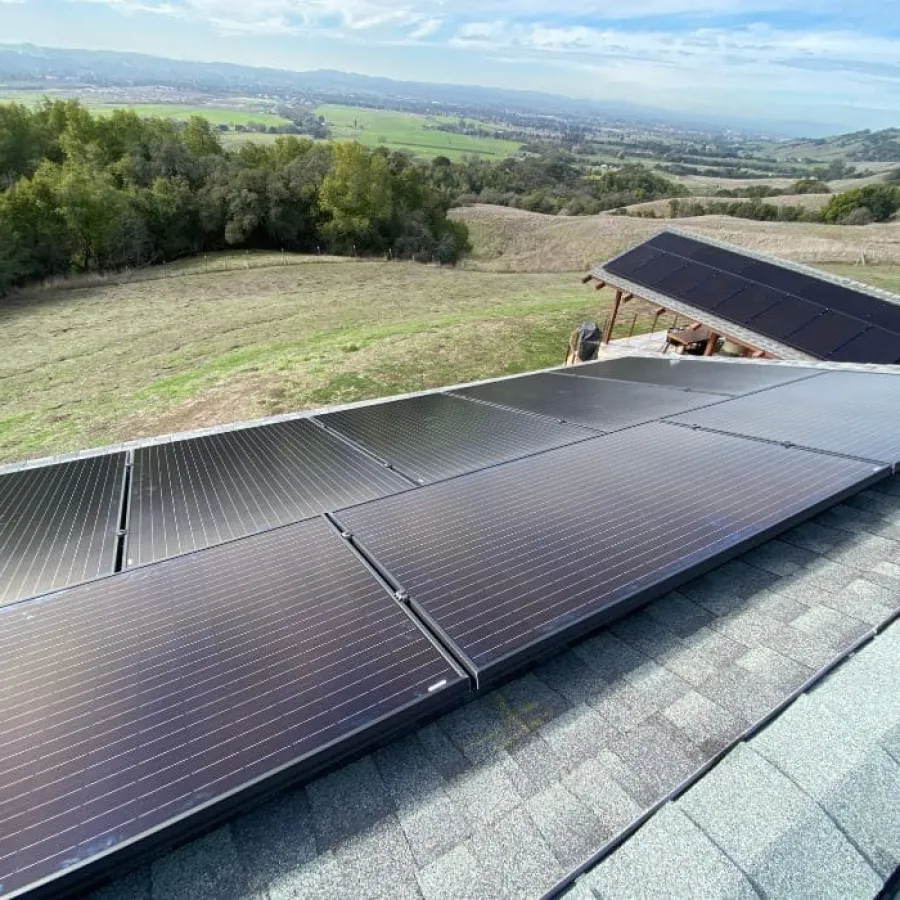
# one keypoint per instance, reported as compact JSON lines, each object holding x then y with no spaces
{"x":711,"y":344}
{"x":612,"y":318}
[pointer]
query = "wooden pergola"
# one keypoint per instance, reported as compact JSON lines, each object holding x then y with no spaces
{"x":624,"y":296}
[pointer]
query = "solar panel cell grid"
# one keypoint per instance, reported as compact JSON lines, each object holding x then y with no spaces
{"x":783,"y":319}
{"x":59,"y":524}
{"x":707,"y":375}
{"x":827,"y":332}
{"x":872,"y":346}
{"x":658,"y":270}
{"x":851,"y":413}
{"x":513,"y":559}
{"x":191,"y":494}
{"x":592,"y":402}
{"x":438,"y":436}
{"x":747,"y":303}
{"x":141,"y":697}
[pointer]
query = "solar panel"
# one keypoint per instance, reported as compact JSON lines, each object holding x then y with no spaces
{"x":658,"y":270}
{"x":157,"y":694}
{"x":749,"y":302}
{"x":774,"y":301}
{"x":190,"y":494}
{"x":437,"y":436}
{"x":59,"y":524}
{"x":872,"y":346}
{"x":706,"y":375}
{"x":827,"y":332}
{"x":598,"y":404}
{"x":513,"y":560}
{"x":782,"y":320}
{"x":851,"y":413}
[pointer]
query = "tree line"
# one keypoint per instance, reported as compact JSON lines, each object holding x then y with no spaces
{"x":87,"y":193}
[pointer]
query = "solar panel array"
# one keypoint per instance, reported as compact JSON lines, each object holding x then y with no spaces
{"x":816,"y":316}
{"x":242,"y":638}
{"x":506,"y":560}
{"x":140,"y":698}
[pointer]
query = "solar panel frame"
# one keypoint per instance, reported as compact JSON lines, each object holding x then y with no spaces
{"x":124,"y":644}
{"x":198,"y":492}
{"x":481,"y":555}
{"x":437,"y":436}
{"x":59,"y":524}
{"x":597,"y":404}
{"x":872,"y":346}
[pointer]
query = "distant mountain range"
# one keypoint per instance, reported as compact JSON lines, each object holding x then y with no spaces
{"x":26,"y":64}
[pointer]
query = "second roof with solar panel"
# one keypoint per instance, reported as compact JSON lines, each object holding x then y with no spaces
{"x":796,"y":309}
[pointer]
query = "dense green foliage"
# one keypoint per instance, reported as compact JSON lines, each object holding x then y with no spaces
{"x":83,"y":193}
{"x":552,"y":183}
{"x":872,"y":203}
{"x":743,"y":209}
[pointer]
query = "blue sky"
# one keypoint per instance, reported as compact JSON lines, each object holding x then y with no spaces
{"x":819,"y":61}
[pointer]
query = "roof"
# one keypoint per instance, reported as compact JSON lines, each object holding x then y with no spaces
{"x":506,"y":796}
{"x":786,"y":309}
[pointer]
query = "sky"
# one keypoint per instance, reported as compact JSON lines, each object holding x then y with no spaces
{"x":832,"y":63}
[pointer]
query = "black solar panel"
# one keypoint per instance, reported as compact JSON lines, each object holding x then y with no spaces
{"x":826,"y":333}
{"x":658,"y":270}
{"x":748,"y":303}
{"x":436,"y":436}
{"x":774,"y":301}
{"x":852,"y":413}
{"x":59,"y":524}
{"x":142,"y":698}
{"x":191,"y":494}
{"x":872,"y":346}
{"x":598,"y":404}
{"x":706,"y":375}
{"x":512,"y":560}
{"x":781,"y":321}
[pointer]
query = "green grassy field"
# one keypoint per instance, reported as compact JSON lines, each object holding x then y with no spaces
{"x":404,"y":131}
{"x":88,"y":366}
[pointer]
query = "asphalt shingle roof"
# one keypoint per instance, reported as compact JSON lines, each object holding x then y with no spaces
{"x":503,"y":797}
{"x":809,"y":807}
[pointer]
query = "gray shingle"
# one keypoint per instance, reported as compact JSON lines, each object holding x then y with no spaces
{"x":775,"y":833}
{"x":839,"y":629}
{"x":616,"y":794}
{"x":577,"y":734}
{"x":813,"y":536}
{"x":275,"y":838}
{"x":660,"y":753}
{"x":679,"y":614}
{"x":533,"y":766}
{"x":514,"y":850}
{"x":483,"y":793}
{"x":346,"y":802}
{"x":572,"y":678}
{"x":624,"y":706}
{"x":706,"y":723}
{"x":854,"y":781}
{"x":426,"y":814}
{"x":783,"y":674}
{"x":780,"y":557}
{"x":863,"y":600}
{"x":608,"y":656}
{"x":572,"y":831}
{"x":669,"y":857}
{"x":133,"y":886}
{"x":457,"y":875}
{"x":645,"y":634}
{"x":209,"y":867}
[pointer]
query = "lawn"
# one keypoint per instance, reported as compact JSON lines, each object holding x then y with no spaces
{"x":405,"y":131}
{"x":196,"y":346}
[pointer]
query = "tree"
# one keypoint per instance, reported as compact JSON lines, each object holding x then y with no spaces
{"x":356,"y":197}
{"x":881,"y":201}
